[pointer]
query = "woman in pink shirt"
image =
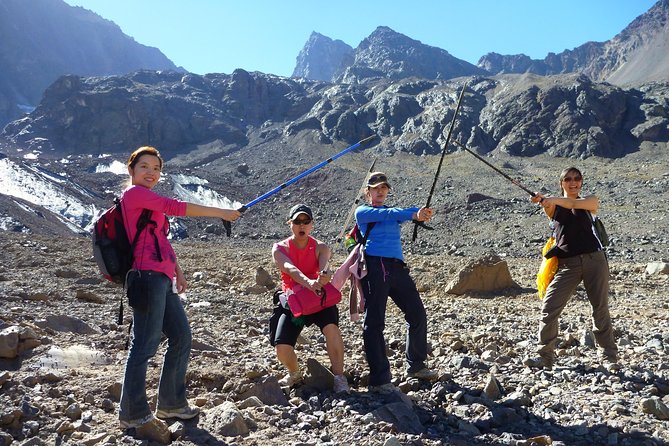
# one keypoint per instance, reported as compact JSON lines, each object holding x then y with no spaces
{"x":302,"y":260}
{"x":153,"y":287}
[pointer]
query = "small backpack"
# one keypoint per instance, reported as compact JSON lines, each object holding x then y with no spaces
{"x":112,"y":250}
{"x":600,"y":231}
{"x":354,"y":236}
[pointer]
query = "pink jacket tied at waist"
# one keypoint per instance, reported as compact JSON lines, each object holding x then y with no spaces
{"x":353,"y":268}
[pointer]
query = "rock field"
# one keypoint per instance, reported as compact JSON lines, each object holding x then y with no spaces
{"x":62,"y":350}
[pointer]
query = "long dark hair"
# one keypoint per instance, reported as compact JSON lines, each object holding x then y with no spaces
{"x":564,"y":174}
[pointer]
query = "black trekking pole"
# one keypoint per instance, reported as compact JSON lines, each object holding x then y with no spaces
{"x":228,"y":226}
{"x":516,"y":182}
{"x":340,"y":237}
{"x":441,"y":160}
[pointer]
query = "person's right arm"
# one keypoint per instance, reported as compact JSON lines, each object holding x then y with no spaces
{"x":589,"y":203}
{"x":141,"y":197}
{"x":198,"y":210}
{"x":286,"y":265}
{"x":369,"y":214}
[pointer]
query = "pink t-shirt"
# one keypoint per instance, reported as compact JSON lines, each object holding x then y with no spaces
{"x":134,"y":200}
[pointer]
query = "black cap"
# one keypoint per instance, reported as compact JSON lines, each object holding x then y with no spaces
{"x":300,"y":209}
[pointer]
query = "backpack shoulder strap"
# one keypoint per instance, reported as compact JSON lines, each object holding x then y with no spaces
{"x":142,"y":222}
{"x":369,"y":229}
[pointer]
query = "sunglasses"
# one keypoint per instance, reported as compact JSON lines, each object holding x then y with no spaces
{"x":570,"y":179}
{"x":374,"y":179}
{"x":304,"y":221}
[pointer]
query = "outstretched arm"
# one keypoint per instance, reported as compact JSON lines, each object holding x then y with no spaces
{"x":423,"y":214}
{"x":198,"y":210}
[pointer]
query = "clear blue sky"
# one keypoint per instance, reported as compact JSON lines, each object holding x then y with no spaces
{"x":218,"y":36}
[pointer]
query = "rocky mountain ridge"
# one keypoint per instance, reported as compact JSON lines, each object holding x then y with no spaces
{"x":41,"y":40}
{"x":240,"y":135}
{"x":565,"y":116}
{"x":386,"y":54}
{"x":637,"y":55}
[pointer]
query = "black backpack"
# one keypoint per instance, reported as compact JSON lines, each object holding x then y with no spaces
{"x":112,"y":249}
{"x":602,"y":236}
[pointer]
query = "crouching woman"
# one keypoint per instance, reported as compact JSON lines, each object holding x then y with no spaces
{"x":302,"y":260}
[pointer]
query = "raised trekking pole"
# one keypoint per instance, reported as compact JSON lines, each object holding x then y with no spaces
{"x":356,"y":202}
{"x":228,"y":226}
{"x":516,"y":182}
{"x":441,"y":160}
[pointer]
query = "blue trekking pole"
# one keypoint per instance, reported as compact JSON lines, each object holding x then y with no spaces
{"x":228,"y":226}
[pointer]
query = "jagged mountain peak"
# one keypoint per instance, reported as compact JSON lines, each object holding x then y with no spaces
{"x":384,"y":36}
{"x":384,"y":54}
{"x":322,"y":57}
{"x":388,"y":35}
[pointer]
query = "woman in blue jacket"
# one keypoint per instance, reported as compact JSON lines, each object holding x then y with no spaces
{"x":388,"y":276}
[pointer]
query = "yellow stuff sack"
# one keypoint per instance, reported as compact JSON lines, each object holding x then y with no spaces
{"x":547,"y":269}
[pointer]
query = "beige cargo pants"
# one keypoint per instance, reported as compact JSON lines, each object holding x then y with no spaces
{"x":593,"y":270}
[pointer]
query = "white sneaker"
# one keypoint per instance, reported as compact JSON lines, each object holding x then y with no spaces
{"x":340,"y":384}
{"x":291,"y":379}
{"x":183,"y":413}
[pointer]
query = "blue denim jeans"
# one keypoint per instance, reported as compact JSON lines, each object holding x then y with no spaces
{"x":164,"y":313}
{"x":390,"y":278}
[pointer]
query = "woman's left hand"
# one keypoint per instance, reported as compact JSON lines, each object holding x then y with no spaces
{"x":182,"y":284}
{"x":424,"y":214}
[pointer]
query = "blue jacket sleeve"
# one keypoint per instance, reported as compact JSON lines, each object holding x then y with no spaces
{"x":366,"y":214}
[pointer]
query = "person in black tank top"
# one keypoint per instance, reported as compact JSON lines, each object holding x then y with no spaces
{"x":581,"y":258}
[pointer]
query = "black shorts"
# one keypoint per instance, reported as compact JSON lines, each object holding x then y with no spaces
{"x":287,"y":332}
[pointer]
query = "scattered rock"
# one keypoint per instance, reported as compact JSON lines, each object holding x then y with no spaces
{"x":655,"y":407}
{"x":225,"y":419}
{"x":88,"y":296}
{"x":484,"y":275}
{"x":655,"y":268}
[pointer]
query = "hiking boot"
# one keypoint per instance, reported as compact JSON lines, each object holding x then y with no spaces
{"x":424,"y":374}
{"x":183,"y":413}
{"x":610,"y":363}
{"x":154,"y":430}
{"x":541,"y":362}
{"x":340,"y":384}
{"x":291,"y":379}
{"x":384,"y":389}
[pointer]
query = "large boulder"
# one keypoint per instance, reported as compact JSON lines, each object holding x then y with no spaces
{"x":485,"y":275}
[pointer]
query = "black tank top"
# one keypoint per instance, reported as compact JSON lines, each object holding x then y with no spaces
{"x":574,"y":233}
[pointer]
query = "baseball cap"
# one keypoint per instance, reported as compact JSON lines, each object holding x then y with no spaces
{"x":377,"y":178}
{"x":300,"y":209}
